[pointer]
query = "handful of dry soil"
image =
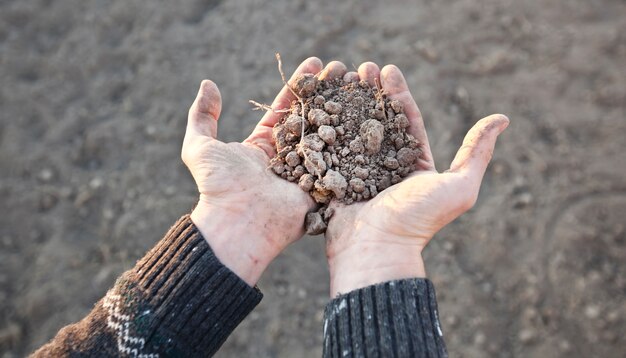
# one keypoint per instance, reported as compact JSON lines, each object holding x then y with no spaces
{"x":349,"y":142}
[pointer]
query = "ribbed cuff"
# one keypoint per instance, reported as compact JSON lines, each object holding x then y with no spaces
{"x":191,"y":302}
{"x":391,"y":319}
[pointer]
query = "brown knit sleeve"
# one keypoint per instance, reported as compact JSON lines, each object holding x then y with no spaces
{"x":179,"y":300}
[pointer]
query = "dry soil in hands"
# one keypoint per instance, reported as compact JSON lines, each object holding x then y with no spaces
{"x":348,"y":143}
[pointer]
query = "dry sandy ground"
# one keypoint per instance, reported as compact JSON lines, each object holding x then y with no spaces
{"x":93,"y":101}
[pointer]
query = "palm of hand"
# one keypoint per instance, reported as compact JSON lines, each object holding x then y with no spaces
{"x":233,"y":180}
{"x":411,"y":212}
{"x":414,"y":210}
{"x":234,"y":177}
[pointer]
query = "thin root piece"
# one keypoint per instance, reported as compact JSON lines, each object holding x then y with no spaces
{"x":282,"y":76}
{"x":264,"y":107}
{"x":300,"y":99}
{"x":379,"y":96}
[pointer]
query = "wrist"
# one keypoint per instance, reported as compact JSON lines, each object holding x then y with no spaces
{"x":368,"y":261}
{"x":237,"y":243}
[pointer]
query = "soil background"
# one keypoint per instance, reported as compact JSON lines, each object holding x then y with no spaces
{"x":94,"y":97}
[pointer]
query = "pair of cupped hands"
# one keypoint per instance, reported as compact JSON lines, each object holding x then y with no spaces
{"x":249,"y":215}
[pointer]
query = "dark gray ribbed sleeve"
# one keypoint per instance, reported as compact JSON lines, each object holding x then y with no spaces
{"x":179,"y":301}
{"x":391,"y":319}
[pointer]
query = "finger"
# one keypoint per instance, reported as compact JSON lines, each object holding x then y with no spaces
{"x":285,"y":96}
{"x":477,"y":149}
{"x":205,"y":111}
{"x":396,"y":88}
{"x":351,"y":76}
{"x":334,"y":69}
{"x":369,"y":72}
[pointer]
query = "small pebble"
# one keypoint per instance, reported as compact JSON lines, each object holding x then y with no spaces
{"x":294,"y":123}
{"x":313,"y":142}
{"x":397,"y":106}
{"x":328,"y":134}
{"x":292,"y":159}
{"x":357,"y":185}
{"x":298,"y":171}
{"x":336,"y":183}
{"x":315,"y":164}
{"x":402,"y":121}
{"x":320,"y":197}
{"x":278,"y":168}
{"x":357,"y":145}
{"x":318,"y":117}
{"x":306,"y":182}
{"x":391,"y":163}
{"x":332,"y":107}
{"x":372,"y":132}
{"x":328,"y":159}
{"x":398,"y":143}
{"x":305,"y":84}
{"x":377,"y":114}
{"x":361,"y":173}
{"x":407,"y":156}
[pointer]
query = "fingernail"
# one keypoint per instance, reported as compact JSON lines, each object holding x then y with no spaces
{"x":504,"y":122}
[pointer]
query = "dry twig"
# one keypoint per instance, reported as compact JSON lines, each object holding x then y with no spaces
{"x":379,"y":96}
{"x":300,"y":99}
{"x":264,"y":107}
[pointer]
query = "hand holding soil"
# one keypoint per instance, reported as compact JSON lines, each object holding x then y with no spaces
{"x":246,"y":213}
{"x":382,"y":239}
{"x":356,"y":142}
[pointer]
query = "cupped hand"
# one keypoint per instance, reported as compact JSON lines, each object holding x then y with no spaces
{"x":247,"y":213}
{"x":382,"y":239}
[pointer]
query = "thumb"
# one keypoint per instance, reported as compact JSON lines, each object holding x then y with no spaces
{"x":205,"y":111}
{"x":477,"y":149}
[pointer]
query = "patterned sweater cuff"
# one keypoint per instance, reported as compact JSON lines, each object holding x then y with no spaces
{"x":179,"y":299}
{"x":391,"y":319}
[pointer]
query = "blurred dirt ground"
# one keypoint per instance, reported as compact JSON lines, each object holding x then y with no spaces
{"x":93,"y":101}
